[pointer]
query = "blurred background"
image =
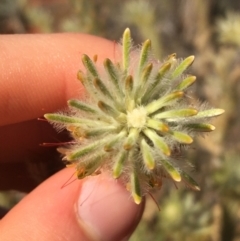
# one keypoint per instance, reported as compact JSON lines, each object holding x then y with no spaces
{"x":208,"y":29}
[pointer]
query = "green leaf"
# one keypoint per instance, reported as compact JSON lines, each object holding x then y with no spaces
{"x":172,"y":171}
{"x":173,"y":114}
{"x":210,"y":113}
{"x":201,"y":127}
{"x":118,"y":164}
{"x":83,"y":151}
{"x":90,"y":66}
{"x":126,"y":44}
{"x":182,"y":66}
{"x":80,"y":105}
{"x":190,"y":181}
{"x":135,"y":188}
{"x":144,"y":77}
{"x":186,"y":83}
{"x":182,"y":137}
{"x":128,"y":85}
{"x":113,"y":75}
{"x":98,"y":131}
{"x":101,"y":87}
{"x":145,"y":50}
{"x":115,"y":140}
{"x":131,"y":139}
{"x":164,"y":101}
{"x":161,"y":73}
{"x":88,"y":167}
{"x":157,"y":141}
{"x":157,"y":125}
{"x":62,"y":118}
{"x":147,"y":155}
{"x":107,"y":109}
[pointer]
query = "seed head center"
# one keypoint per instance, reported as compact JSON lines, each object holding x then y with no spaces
{"x":137,"y":117}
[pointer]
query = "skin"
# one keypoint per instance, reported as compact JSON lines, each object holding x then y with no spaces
{"x":38,"y":76}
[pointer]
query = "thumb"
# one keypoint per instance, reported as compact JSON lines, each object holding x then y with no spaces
{"x":96,"y":208}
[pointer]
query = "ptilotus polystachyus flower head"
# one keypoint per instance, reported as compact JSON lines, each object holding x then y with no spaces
{"x":134,"y":118}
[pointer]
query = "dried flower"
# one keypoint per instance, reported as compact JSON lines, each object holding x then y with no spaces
{"x":135,"y":117}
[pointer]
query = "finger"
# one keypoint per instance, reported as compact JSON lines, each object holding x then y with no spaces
{"x":22,"y":141}
{"x":98,"y":208}
{"x":24,"y":163}
{"x":38,"y":75}
{"x":38,"y":72}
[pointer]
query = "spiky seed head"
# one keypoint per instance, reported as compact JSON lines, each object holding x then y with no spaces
{"x":134,"y":119}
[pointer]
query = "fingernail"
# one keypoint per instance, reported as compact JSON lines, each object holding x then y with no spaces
{"x":105,"y":209}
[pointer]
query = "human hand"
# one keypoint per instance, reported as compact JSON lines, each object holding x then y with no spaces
{"x":38,"y":75}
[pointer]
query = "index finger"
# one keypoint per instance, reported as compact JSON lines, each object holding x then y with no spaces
{"x":38,"y":75}
{"x":38,"y":72}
